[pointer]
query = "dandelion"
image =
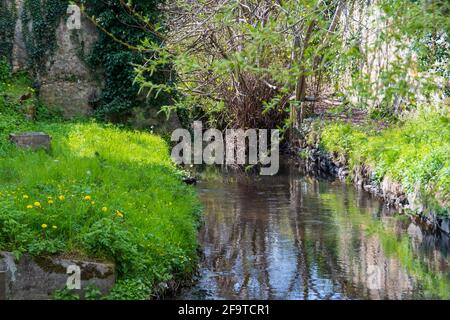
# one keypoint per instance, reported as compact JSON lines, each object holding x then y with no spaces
{"x":54,"y":227}
{"x":29,"y":206}
{"x":104,"y":209}
{"x":61,"y":198}
{"x":92,"y":202}
{"x":50,"y":201}
{"x":44,"y":226}
{"x":37,"y":204}
{"x":50,"y":197}
{"x":87,"y":198}
{"x":119,"y":214}
{"x":25,"y":196}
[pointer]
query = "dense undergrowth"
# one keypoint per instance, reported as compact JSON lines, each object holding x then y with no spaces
{"x":101,"y":192}
{"x":414,"y":152}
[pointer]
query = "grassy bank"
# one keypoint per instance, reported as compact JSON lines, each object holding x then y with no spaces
{"x":414,"y":152}
{"x":102,"y":192}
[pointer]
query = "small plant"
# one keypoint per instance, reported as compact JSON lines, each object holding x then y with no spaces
{"x":92,"y":293}
{"x":65,"y":294}
{"x":5,"y":70}
{"x":130,"y":289}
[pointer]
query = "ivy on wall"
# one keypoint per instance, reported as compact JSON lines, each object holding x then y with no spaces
{"x":40,"y":19}
{"x":8,"y":16}
{"x":39,"y":22}
{"x":120,"y":94}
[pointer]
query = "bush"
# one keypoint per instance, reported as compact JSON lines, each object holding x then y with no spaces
{"x":415,"y":152}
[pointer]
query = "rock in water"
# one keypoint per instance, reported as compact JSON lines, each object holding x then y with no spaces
{"x":190,"y":180}
{"x":31,"y":140}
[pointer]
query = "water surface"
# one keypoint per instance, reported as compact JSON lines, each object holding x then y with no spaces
{"x":296,"y":237}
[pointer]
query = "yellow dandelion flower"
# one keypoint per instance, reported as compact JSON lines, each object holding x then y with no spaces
{"x":61,"y":198}
{"x":119,"y":214}
{"x":37,"y":204}
{"x":44,"y":226}
{"x":87,"y":198}
{"x":50,"y":201}
{"x":104,"y":209}
{"x":92,"y":202}
{"x":25,"y":196}
{"x":29,"y":206}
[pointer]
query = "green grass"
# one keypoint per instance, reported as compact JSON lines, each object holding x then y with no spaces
{"x":414,"y":153}
{"x":102,"y":192}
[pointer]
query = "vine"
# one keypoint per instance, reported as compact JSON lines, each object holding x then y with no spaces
{"x":40,"y":18}
{"x":8,"y":16}
{"x":121,"y":93}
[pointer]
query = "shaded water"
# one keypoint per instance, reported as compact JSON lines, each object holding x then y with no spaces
{"x":295,"y":237}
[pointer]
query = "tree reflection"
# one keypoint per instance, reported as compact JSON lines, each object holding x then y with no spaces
{"x":296,"y":237}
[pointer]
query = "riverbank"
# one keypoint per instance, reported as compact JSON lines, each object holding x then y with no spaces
{"x":102,"y":192}
{"x":406,"y":164}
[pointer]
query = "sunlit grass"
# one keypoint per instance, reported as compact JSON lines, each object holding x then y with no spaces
{"x":102,"y":192}
{"x":415,"y":153}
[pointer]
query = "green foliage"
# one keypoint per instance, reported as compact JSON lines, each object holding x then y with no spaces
{"x":237,"y":63}
{"x":45,"y":17}
{"x":412,"y":57}
{"x":8,"y":17}
{"x":414,"y":152}
{"x":130,"y":289}
{"x":394,"y":244}
{"x":91,"y":292}
{"x":65,"y":294}
{"x":121,"y":94}
{"x":101,"y":192}
{"x":5,"y":70}
{"x":12,"y":111}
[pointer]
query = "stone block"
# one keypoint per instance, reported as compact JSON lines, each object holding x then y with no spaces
{"x":37,"y":278}
{"x":31,"y":140}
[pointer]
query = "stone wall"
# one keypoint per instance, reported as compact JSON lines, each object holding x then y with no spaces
{"x":67,"y":83}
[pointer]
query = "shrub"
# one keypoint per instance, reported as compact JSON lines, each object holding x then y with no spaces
{"x":414,"y":152}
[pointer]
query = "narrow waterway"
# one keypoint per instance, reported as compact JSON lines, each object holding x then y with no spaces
{"x":296,"y":237}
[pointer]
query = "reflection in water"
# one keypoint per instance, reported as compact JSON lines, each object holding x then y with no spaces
{"x":295,"y":237}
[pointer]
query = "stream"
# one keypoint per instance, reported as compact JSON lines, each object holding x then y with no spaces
{"x":293,"y":236}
